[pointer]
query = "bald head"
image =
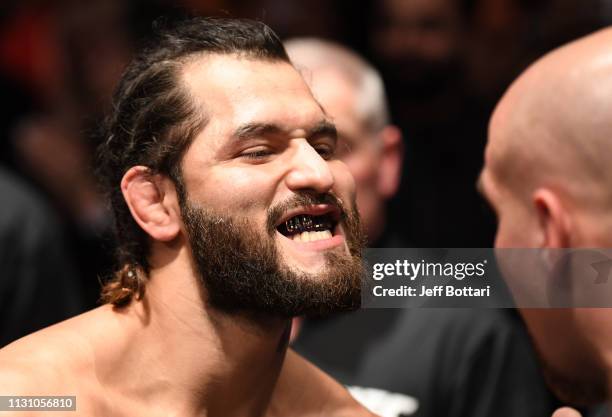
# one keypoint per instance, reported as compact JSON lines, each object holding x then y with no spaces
{"x":553,"y":126}
{"x":549,"y":178}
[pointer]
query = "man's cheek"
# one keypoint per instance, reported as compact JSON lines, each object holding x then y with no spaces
{"x":238,"y":190}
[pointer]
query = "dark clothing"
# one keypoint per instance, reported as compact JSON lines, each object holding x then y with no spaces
{"x":454,"y":362}
{"x":38,"y":285}
{"x":460,"y":362}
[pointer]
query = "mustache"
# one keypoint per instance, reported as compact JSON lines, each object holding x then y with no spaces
{"x":276,"y":212}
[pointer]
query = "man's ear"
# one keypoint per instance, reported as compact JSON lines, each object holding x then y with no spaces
{"x":553,"y":218}
{"x":391,"y":160}
{"x":152,"y":202}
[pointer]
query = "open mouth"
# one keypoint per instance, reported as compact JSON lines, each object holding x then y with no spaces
{"x":309,"y":227}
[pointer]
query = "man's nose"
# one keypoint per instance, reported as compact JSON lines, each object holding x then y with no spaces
{"x":309,"y":171}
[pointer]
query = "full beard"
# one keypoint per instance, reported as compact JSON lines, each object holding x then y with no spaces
{"x":242,"y":272}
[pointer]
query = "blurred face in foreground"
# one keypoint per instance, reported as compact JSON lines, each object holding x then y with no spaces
{"x":546,"y":178}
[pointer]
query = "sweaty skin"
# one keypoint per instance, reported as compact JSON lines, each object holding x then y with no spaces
{"x":547,"y":175}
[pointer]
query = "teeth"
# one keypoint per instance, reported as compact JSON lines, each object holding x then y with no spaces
{"x":291,"y":225}
{"x":312,"y":236}
{"x":305,"y":223}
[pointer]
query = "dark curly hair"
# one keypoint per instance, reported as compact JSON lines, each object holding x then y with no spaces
{"x":154,"y":119}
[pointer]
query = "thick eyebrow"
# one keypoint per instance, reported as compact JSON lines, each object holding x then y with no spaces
{"x":323,"y":128}
{"x":253,"y":130}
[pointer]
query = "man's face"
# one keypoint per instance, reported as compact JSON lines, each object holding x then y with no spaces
{"x":358,"y":146}
{"x":569,"y":361}
{"x":264,"y":168}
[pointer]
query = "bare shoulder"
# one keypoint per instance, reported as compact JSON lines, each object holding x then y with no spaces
{"x":47,"y":362}
{"x":16,"y":380}
{"x":305,"y":390}
{"x":29,"y":371}
{"x":38,"y":362}
{"x":59,"y":360}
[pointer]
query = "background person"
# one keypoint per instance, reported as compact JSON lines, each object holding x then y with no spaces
{"x":457,"y":362}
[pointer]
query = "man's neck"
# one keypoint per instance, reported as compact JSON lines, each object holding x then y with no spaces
{"x":185,"y":357}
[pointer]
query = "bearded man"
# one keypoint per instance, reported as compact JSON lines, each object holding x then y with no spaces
{"x":233,"y":215}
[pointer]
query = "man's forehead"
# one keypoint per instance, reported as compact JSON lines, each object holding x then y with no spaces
{"x":231,"y":73}
{"x":243,"y":90}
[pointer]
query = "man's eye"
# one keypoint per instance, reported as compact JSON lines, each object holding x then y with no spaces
{"x":256,"y":154}
{"x":326,"y":151}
